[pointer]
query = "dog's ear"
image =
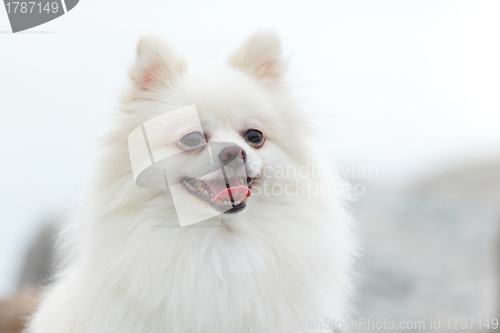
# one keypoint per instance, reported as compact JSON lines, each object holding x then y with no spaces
{"x":261,"y":57}
{"x":156,"y":65}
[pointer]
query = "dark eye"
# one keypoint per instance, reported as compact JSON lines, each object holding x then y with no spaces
{"x":255,"y":137}
{"x":192,"y":139}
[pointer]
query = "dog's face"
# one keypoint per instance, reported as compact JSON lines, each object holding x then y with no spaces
{"x":245,"y":121}
{"x":221,"y":161}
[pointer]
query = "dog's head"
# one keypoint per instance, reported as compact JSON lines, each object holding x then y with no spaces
{"x":246,"y":122}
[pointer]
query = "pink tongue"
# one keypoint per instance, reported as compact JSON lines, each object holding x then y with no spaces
{"x":238,"y":193}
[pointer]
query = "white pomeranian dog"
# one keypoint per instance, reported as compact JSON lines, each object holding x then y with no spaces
{"x":280,"y":260}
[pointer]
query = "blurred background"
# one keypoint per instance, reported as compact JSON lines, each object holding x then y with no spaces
{"x":406,"y":94}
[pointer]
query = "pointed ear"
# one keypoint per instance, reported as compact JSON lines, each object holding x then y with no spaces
{"x":156,"y":65}
{"x":260,"y":56}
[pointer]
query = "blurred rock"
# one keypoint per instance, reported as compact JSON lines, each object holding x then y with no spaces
{"x":36,"y":272}
{"x":40,"y":259}
{"x":431,"y":250}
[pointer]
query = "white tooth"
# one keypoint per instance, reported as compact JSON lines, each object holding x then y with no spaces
{"x":205,"y":192}
{"x":200,"y":187}
{"x":211,"y":194}
{"x":225,"y":202}
{"x":237,"y":202}
{"x":241,"y":181}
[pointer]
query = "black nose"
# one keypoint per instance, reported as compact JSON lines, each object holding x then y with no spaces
{"x":228,"y":154}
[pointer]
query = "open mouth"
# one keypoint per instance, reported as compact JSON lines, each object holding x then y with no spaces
{"x":227,"y":195}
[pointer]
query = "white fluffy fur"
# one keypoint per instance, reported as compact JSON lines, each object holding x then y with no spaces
{"x":284,"y":259}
